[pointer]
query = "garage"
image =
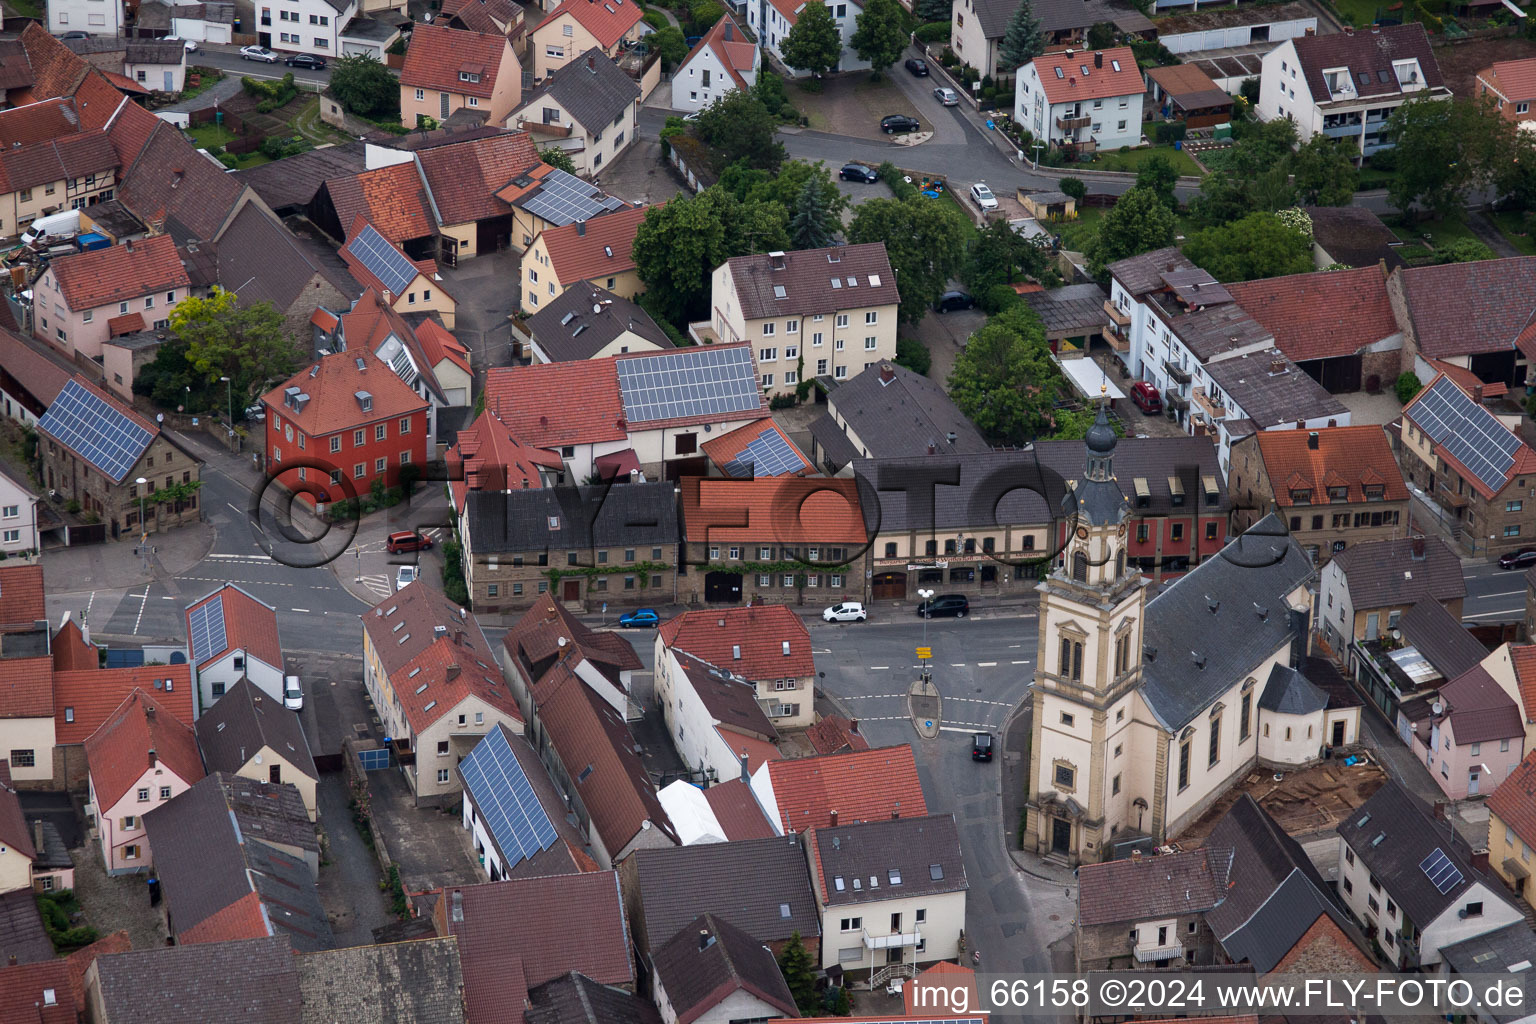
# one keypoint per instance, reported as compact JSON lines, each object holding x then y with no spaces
{"x":889,"y":586}
{"x":722,"y":587}
{"x":493,"y":234}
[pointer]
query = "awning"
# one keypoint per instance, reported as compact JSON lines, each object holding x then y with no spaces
{"x":892,"y":941}
{"x":1142,"y":490}
{"x":1175,"y":486}
{"x":1514,"y":869}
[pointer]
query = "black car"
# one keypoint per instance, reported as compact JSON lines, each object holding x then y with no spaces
{"x":1518,"y":559}
{"x":895,"y":124}
{"x":858,"y":172}
{"x":981,"y":746}
{"x":917,"y":66}
{"x":951,"y":301}
{"x":306,"y":60}
{"x":955,"y":606}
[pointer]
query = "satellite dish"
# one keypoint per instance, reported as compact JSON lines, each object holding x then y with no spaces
{"x":159,"y":417}
{"x":597,"y":307}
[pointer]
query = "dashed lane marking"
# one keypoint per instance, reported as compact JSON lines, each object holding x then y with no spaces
{"x":1024,"y":662}
{"x":301,"y":611}
{"x":143,"y":600}
{"x":957,"y":664}
{"x":986,"y":664}
{"x":878,"y":668}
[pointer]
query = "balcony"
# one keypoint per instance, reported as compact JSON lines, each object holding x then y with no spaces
{"x":1213,"y":409}
{"x":894,"y":940}
{"x":1158,"y":954}
{"x":1072,"y":124}
{"x":1115,"y":340}
{"x":1123,"y":319}
{"x":1177,"y":372}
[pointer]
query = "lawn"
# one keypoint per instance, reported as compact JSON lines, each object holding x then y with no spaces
{"x":1371,"y":177}
{"x":211,"y":136}
{"x":1511,"y":225}
{"x":1076,"y":234}
{"x":1433,"y":232}
{"x":1131,"y":160}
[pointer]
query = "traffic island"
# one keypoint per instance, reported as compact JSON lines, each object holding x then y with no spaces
{"x":925,"y":707}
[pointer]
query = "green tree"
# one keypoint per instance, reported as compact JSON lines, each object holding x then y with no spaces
{"x":879,"y":34}
{"x":670,"y":43}
{"x":679,"y":244}
{"x":786,"y":186}
{"x":1073,"y":424}
{"x":1158,"y":174}
{"x":813,"y":43}
{"x":1258,"y":245}
{"x":1255,"y":175}
{"x":811,"y":226}
{"x":1074,"y":187}
{"x":559,"y":159}
{"x":1139,"y":222}
{"x":1406,"y":386}
{"x":1445,"y":150}
{"x":1000,"y":255}
{"x":1324,"y":174}
{"x":914,"y":355}
{"x":244,"y":342}
{"x":364,"y":86}
{"x":934,"y":10}
{"x":704,"y":13}
{"x":799,"y":974}
{"x":1022,"y":38}
{"x":1102,"y":35}
{"x":925,"y":240}
{"x":1463,"y":250}
{"x":738,"y":127}
{"x":1004,"y":380}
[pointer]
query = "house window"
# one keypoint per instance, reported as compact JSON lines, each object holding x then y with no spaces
{"x":1067,"y":720}
{"x":357,"y":439}
{"x":1184,"y":765}
{"x":1064,"y":776}
{"x":165,"y":792}
{"x":380,"y":465}
{"x":380,"y":431}
{"x":443,"y":774}
{"x":143,"y":794}
{"x":1214,"y":754}
{"x":23,"y":759}
{"x":420,"y":95}
{"x":335,"y":444}
{"x":131,"y":852}
{"x":1349,"y":856}
{"x":130,"y":823}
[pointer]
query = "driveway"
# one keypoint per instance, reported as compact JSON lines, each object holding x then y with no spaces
{"x":486,"y":289}
{"x":429,"y":846}
{"x":945,"y":335}
{"x":852,"y":105}
{"x":349,"y":877}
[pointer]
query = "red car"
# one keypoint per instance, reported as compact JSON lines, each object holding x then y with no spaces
{"x":1146,"y":398}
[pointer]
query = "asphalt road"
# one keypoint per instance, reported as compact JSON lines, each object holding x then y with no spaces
{"x":1493,"y":594}
{"x":227,"y":58}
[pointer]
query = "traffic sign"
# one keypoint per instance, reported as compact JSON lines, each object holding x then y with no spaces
{"x":925,"y":652}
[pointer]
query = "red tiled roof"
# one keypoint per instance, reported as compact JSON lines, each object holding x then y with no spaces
{"x":21,"y":597}
{"x":865,"y":785}
{"x":1478,"y":709}
{"x":943,"y":975}
{"x":494,"y":460}
{"x":578,"y":256}
{"x":464,"y":176}
{"x":607,"y":20}
{"x":393,"y":198}
{"x":1353,"y":457}
{"x":333,"y":404}
{"x":359,"y":269}
{"x":555,"y":404}
{"x":728,"y":446}
{"x":1515,"y":80}
{"x":1514,"y":801}
{"x":81,"y":959}
{"x":72,"y":156}
{"x":759,"y":632}
{"x":21,"y":994}
{"x":249,"y":624}
{"x":736,"y":53}
{"x":123,"y":83}
{"x":438,"y":55}
{"x":242,"y":919}
{"x":38,"y":122}
{"x":835,"y":733}
{"x":83,"y":699}
{"x":782,"y":510}
{"x":1315,"y":316}
{"x":737,"y":811}
{"x":1523,"y":657}
{"x":31,"y":368}
{"x":325,"y":319}
{"x":1468,"y":308}
{"x":439,"y":344}
{"x":530,"y":179}
{"x":171,"y":184}
{"x":26,"y":687}
{"x":118,"y":752}
{"x":13,"y":824}
{"x":56,"y":70}
{"x":90,"y":280}
{"x":128,"y":323}
{"x":1081,"y":80}
{"x":1464,"y":378}
{"x":618,"y":464}
{"x":129,"y":130}
{"x":71,"y":651}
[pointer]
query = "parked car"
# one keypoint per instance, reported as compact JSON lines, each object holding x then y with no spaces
{"x":640,"y":618}
{"x":981,"y":746}
{"x":75,"y":35}
{"x":260,"y":53}
{"x":190,"y":45}
{"x":945,"y":606}
{"x":306,"y":60}
{"x":896,"y":124}
{"x":1146,"y":398}
{"x":983,"y":196}
{"x":917,"y":66}
{"x":848,"y":611}
{"x":407,"y":575}
{"x":408,"y":540}
{"x":693,"y":116}
{"x":1522,"y":559}
{"x":293,"y":696}
{"x":951,"y":301}
{"x":947,"y":96}
{"x":859,"y":172}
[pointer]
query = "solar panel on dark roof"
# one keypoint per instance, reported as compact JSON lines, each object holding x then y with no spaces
{"x":95,"y":430}
{"x":382,"y":259}
{"x":500,"y":789}
{"x":1472,"y":434}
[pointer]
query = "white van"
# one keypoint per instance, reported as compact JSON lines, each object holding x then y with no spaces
{"x":59,"y":225}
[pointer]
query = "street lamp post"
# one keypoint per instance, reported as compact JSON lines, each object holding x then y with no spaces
{"x":229,"y":403}
{"x":925,"y":595}
{"x":143,"y":484}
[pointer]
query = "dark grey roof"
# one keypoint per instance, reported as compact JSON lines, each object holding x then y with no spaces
{"x":21,"y":929}
{"x":1443,"y":640}
{"x":903,"y":415}
{"x":242,"y":722}
{"x":1053,"y":15}
{"x":293,"y":181}
{"x":730,"y":702}
{"x":1252,"y":573}
{"x":568,"y":330}
{"x":585,"y":517}
{"x":1187,"y":882}
{"x":54,"y":854}
{"x":1288,"y":692}
{"x":1354,"y":236}
{"x":746,"y":882}
{"x":261,"y":261}
{"x":1076,"y":308}
{"x":590,"y":88}
{"x":154,"y":51}
{"x":574,"y":998}
{"x":1369,"y":58}
{"x":370,"y":29}
{"x":1498,"y":952}
{"x":1144,"y":273}
{"x":808,"y":282}
{"x":1269,"y":398}
{"x":923,"y":853}
{"x":290,"y":900}
{"x":835,"y":446}
{"x":404,"y":982}
{"x":709,"y":960}
{"x":152,"y":15}
{"x":1385,"y":572}
{"x":113,"y":217}
{"x":251,"y":980}
{"x":1408,"y":835}
{"x":1325,"y":675}
{"x":274,"y":812}
{"x":1217,"y":329}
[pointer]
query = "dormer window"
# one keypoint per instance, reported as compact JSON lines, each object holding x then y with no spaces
{"x":468,"y":76}
{"x":1375,"y":492}
{"x":1301,"y":496}
{"x":1338,"y":494}
{"x":1408,"y":76}
{"x":1338,"y":82}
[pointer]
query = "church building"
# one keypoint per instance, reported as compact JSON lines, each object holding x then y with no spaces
{"x":1145,"y":712}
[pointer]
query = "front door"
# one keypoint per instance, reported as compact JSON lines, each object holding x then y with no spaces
{"x":571,"y":590}
{"x":1472,"y":780}
{"x":1338,"y":733}
{"x":170,"y":81}
{"x":1061,"y":835}
{"x":442,"y":105}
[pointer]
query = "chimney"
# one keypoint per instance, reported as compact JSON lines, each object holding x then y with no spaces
{"x":1418,"y":549}
{"x":149,"y":711}
{"x":833,"y":816}
{"x":776,"y":259}
{"x":592,"y":64}
{"x":452,"y":672}
{"x":895,"y":814}
{"x":887,"y":374}
{"x":152,"y":757}
{"x":458,"y":638}
{"x":1098,"y":59}
{"x":128,"y":245}
{"x":933,"y":449}
{"x":1276,"y":366}
{"x":950,"y":437}
{"x":1439,"y":810}
{"x":1312,"y":440}
{"x":746,"y":776}
{"x":1069,"y":53}
{"x":705,"y":939}
{"x":1477,"y":392}
{"x":581,"y":229}
{"x":853,"y":727}
{"x":1311,"y":31}
{"x":12,"y":960}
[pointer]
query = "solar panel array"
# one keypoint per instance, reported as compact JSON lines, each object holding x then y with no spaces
{"x":506,"y":799}
{"x":1467,"y":431}
{"x":768,"y":454}
{"x":383,"y":260}
{"x":565,"y":199}
{"x":1444,"y":874}
{"x":205,"y":623}
{"x":95,"y":430}
{"x":692,"y":382}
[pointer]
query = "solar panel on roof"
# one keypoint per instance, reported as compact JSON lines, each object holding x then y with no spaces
{"x":95,"y":430}
{"x":1440,"y":871}
{"x":1471,"y":434}
{"x":565,"y":199}
{"x":767,"y":454}
{"x":691,"y":382}
{"x":383,"y":260}
{"x":510,"y":808}
{"x":205,"y":624}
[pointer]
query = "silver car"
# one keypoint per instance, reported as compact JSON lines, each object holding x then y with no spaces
{"x":946,"y":96}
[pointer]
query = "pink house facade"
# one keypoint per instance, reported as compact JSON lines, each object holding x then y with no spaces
{"x":1474,"y":738}
{"x":82,"y":301}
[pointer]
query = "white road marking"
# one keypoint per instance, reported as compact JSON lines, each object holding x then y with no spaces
{"x":1511,"y":613}
{"x":878,"y":668}
{"x":1505,"y":593}
{"x":166,"y":597}
{"x":143,"y":600}
{"x":986,"y":664}
{"x":1023,"y":662}
{"x":238,"y":511}
{"x":1014,"y":646}
{"x":301,"y":611}
{"x":953,"y":728}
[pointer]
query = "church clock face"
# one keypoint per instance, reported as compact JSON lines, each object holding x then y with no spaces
{"x":1082,"y":533}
